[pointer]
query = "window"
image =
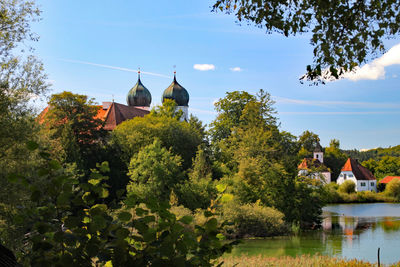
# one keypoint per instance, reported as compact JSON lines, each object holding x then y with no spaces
{"x":341,"y":175}
{"x":351,"y":175}
{"x":372,"y":183}
{"x":344,"y":176}
{"x":362,"y":184}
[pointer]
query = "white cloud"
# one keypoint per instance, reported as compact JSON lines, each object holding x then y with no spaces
{"x":376,"y":69}
{"x":235,"y":69}
{"x":204,"y":67}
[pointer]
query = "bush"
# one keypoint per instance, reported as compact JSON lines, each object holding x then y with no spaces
{"x":330,"y":193}
{"x":393,"y":188}
{"x":347,"y":187}
{"x":70,"y":225}
{"x":253,"y":220}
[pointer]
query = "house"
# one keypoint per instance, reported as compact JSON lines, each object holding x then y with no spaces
{"x":361,"y":176}
{"x":315,"y":166}
{"x":387,"y":179}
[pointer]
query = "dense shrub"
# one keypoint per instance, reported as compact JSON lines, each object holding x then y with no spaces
{"x":330,"y":193}
{"x":393,"y":188}
{"x":71,"y":225}
{"x":359,"y":197}
{"x":347,"y":187}
{"x":253,"y":220}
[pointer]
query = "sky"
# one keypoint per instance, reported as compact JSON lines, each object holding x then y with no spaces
{"x":96,"y":47}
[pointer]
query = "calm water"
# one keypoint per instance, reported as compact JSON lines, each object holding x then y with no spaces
{"x":348,"y":231}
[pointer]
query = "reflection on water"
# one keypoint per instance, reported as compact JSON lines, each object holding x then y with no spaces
{"x":348,"y":230}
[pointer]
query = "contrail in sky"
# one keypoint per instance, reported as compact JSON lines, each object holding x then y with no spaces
{"x":113,"y":67}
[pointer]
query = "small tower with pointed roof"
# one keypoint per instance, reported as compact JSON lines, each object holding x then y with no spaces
{"x":139,"y":96}
{"x":179,"y":94}
{"x":318,"y":154}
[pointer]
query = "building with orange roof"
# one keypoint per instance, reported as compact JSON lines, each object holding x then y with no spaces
{"x":388,"y":179}
{"x":315,"y":166}
{"x":138,"y":104}
{"x":361,"y":176}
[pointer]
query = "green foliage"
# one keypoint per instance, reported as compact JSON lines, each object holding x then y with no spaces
{"x":74,"y":132}
{"x":385,"y":166}
{"x":393,"y":188}
{"x":71,"y":225}
{"x":306,"y":202}
{"x":154,"y":172}
{"x":199,"y":189}
{"x":347,"y":187}
{"x":253,"y":220}
{"x":308,"y":142}
{"x":331,"y":194}
{"x":230,"y":110}
{"x":132,"y":135}
{"x":344,"y":34}
{"x":334,"y":158}
{"x":21,"y":81}
{"x":167,"y":109}
{"x":261,"y":161}
{"x":375,"y":154}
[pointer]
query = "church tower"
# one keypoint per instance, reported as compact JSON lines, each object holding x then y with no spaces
{"x":179,"y":94}
{"x":318,"y":154}
{"x":139,"y":96}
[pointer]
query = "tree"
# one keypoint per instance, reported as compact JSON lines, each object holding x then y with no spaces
{"x":69,"y":224}
{"x":21,"y":77}
{"x":132,"y":135}
{"x":230,"y":111}
{"x":197,"y":191}
{"x":393,"y":188}
{"x":154,"y":172}
{"x":308,"y":142}
{"x":21,"y":80}
{"x":334,"y":158}
{"x":74,"y":131}
{"x":344,"y":34}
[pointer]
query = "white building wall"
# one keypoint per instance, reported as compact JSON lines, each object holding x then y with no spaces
{"x":185,"y":110}
{"x":327,"y":177}
{"x":343,"y":176}
{"x":361,"y":185}
{"x":319,"y":156}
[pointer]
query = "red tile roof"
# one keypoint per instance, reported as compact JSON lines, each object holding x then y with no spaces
{"x":308,"y":163}
{"x":117,"y":113}
{"x":387,"y":179}
{"x":359,"y":171}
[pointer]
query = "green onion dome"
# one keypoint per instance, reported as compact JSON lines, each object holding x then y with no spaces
{"x":139,"y":96}
{"x":176,"y":92}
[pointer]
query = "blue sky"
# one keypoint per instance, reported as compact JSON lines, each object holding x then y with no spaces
{"x":94,"y":48}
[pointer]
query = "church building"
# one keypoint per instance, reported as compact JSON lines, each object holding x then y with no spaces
{"x":315,"y":166}
{"x":138,"y":103}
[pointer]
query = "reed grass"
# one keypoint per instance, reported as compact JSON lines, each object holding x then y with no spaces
{"x":299,"y":261}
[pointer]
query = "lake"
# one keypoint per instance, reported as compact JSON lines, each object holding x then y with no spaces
{"x":348,"y":231}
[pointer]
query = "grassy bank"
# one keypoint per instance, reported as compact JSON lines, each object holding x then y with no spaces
{"x":299,"y":261}
{"x":332,"y":196}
